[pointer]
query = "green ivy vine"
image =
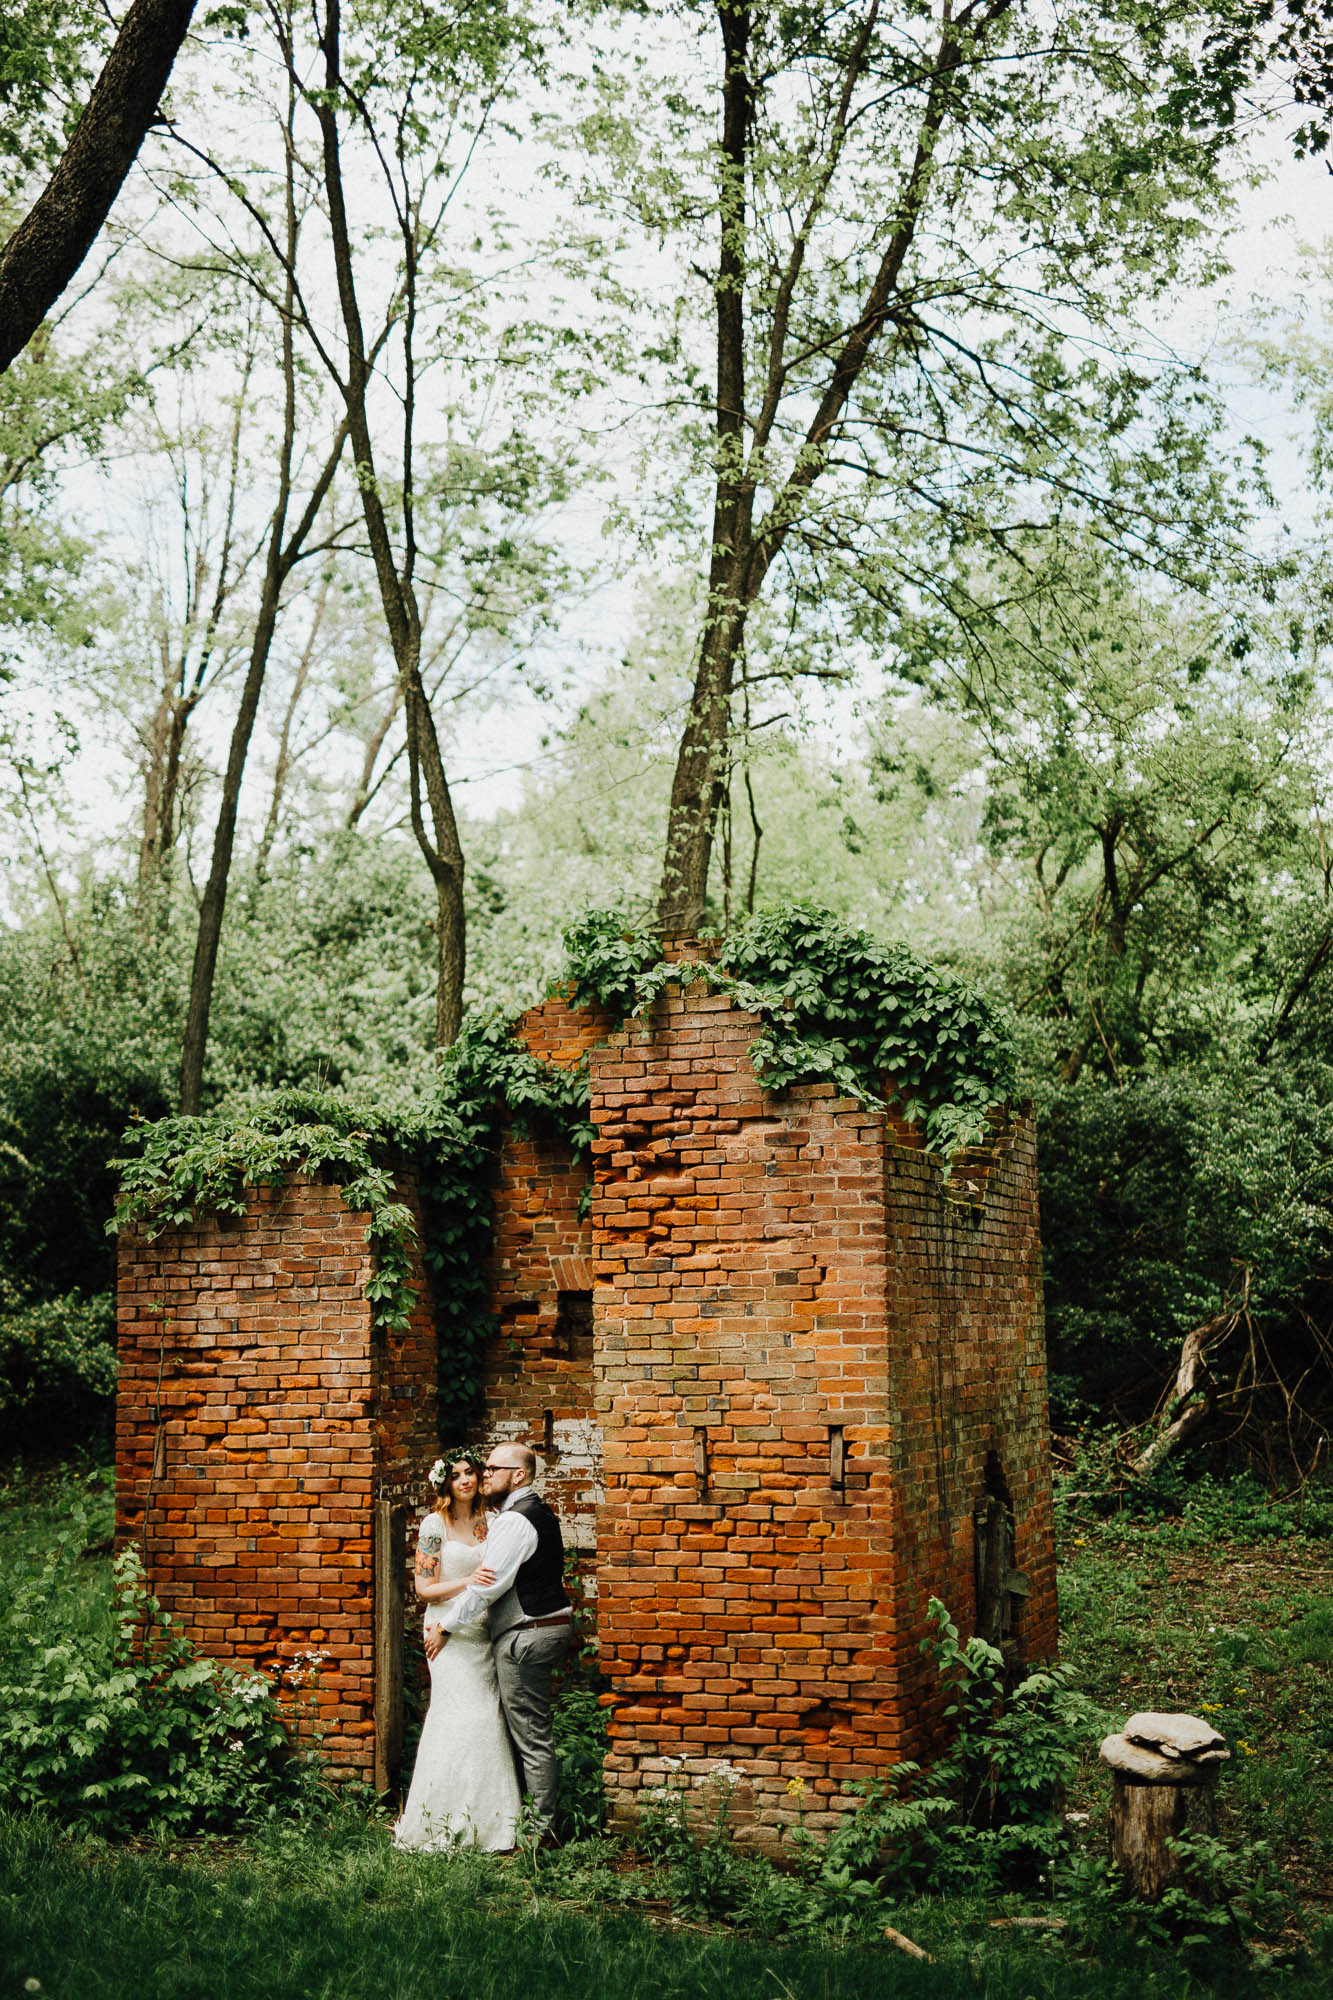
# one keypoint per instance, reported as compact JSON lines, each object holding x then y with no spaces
{"x":834,"y":1005}
{"x":182,"y":1168}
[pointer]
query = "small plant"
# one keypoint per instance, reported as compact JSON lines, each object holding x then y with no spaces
{"x":147,"y":1735}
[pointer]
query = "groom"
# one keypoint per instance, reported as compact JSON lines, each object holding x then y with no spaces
{"x":532,"y":1621}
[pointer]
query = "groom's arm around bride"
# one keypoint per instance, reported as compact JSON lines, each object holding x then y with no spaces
{"x":531,"y":1619}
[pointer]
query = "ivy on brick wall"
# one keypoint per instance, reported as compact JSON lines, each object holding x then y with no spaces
{"x":183,"y":1168}
{"x":835,"y":1005}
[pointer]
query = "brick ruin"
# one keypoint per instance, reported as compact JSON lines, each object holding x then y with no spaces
{"x":785,"y":1383}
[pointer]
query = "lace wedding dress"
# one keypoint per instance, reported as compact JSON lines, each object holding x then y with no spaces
{"x":464,"y":1791}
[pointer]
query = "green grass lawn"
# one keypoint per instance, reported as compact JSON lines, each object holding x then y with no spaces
{"x":1154,"y":1616}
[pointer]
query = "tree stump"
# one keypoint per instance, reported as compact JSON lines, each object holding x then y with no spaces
{"x":1146,"y":1816}
{"x":1165,"y":1784}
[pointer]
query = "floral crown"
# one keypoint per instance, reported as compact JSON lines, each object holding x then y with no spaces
{"x":466,"y":1454}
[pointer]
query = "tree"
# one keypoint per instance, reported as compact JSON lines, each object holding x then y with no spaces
{"x":1303,"y":48}
{"x":395,"y":105}
{"x":49,"y":245}
{"x":930,"y":225}
{"x":384,"y":93}
{"x":290,"y":527}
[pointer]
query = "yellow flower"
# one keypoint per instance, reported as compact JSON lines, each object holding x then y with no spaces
{"x":796,"y":1788}
{"x":1213,"y":1707}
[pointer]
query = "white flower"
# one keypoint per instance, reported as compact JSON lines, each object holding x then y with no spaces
{"x":32,"y":1986}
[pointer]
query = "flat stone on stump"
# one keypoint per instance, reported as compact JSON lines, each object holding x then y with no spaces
{"x":1165,"y":1768}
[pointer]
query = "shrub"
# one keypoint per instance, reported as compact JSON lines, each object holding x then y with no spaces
{"x":580,"y":1748}
{"x":57,"y":1362}
{"x":981,"y":1820}
{"x":147,"y":1735}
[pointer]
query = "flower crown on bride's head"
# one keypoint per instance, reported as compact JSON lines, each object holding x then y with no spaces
{"x":465,"y":1455}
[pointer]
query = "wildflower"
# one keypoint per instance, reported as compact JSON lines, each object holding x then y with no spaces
{"x":32,"y":1986}
{"x":1213,"y":1707}
{"x":1080,"y":1541}
{"x":796,"y":1788}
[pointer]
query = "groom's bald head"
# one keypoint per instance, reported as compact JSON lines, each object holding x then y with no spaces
{"x":515,"y":1465}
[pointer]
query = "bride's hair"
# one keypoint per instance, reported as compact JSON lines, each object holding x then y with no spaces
{"x":443,"y":1482}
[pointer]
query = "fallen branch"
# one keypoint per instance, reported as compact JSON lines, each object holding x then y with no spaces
{"x":904,"y":1943}
{"x":1192,"y":1398}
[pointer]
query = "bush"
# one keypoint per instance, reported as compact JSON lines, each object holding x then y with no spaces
{"x":145,"y":1736}
{"x":982,"y":1820}
{"x":580,"y":1748}
{"x":57,"y":1363}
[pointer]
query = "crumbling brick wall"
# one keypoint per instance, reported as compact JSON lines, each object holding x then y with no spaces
{"x":259,"y":1417}
{"x":778,"y":1374}
{"x":539,"y":1378}
{"x":811,"y":1362}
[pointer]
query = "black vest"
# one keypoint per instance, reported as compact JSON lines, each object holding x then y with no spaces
{"x":540,"y":1582}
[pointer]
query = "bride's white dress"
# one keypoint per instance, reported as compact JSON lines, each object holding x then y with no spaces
{"x":464,"y":1790}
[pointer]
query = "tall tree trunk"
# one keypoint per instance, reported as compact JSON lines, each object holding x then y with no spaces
{"x":214,"y":903}
{"x":282,"y":767}
{"x":60,"y":229}
{"x":440,"y":847}
{"x":701,"y":763}
{"x":743,"y":552}
{"x":284,"y":552}
{"x":162,"y":770}
{"x":700,"y":776}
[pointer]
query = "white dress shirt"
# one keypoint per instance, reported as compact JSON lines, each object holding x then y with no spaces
{"x":510,"y":1541}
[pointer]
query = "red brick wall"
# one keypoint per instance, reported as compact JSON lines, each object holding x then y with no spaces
{"x":804,"y":1353}
{"x":249,"y":1367}
{"x":539,"y":1379}
{"x":967,"y":1366}
{"x":766,"y":1273}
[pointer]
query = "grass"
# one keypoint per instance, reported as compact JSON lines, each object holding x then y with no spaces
{"x":1239,"y":1630}
{"x":1156,"y":1615}
{"x":340,"y":1916}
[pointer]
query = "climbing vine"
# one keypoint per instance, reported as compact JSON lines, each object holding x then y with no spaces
{"x":833,"y":1004}
{"x":181,"y":1168}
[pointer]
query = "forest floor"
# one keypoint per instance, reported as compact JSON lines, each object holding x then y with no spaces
{"x":1209,"y":1617}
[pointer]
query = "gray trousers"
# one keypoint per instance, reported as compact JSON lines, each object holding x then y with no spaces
{"x":523,"y":1664}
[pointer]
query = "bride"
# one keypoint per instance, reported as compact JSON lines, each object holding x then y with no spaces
{"x":464,"y":1790}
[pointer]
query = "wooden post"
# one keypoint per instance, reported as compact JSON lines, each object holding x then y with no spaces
{"x":390,"y":1550}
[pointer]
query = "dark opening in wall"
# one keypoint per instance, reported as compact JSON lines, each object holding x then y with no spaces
{"x":1001,"y":1589}
{"x":573,"y":1326}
